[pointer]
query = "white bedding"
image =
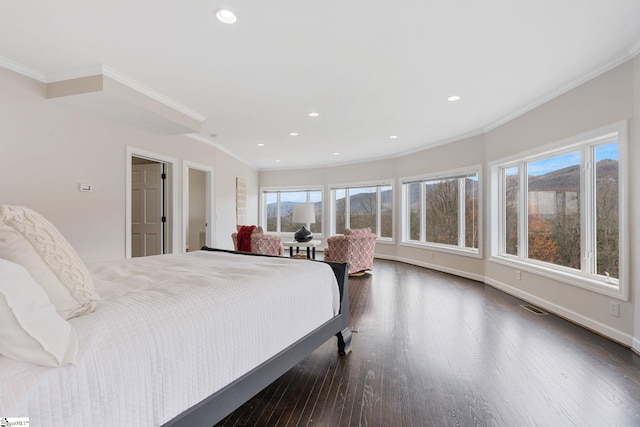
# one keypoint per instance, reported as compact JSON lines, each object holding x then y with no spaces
{"x":169,"y":331}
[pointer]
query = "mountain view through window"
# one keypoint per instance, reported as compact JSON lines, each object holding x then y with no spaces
{"x":555,"y":222}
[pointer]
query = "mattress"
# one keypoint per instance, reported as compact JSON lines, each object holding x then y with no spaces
{"x":169,"y":331}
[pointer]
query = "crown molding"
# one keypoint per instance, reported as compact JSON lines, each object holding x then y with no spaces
{"x":430,"y":145}
{"x":129,"y":82}
{"x":205,"y":140}
{"x":93,"y":70}
{"x":563,"y":89}
{"x":12,"y":65}
{"x":426,"y":146}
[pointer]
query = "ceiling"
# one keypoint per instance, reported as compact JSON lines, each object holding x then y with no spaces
{"x":371,"y":69}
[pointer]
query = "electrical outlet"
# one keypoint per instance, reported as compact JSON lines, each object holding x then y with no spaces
{"x":519,"y":275}
{"x":431,"y":255}
{"x":614,"y":309}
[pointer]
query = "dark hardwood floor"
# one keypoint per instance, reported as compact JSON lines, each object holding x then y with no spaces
{"x":433,"y":349}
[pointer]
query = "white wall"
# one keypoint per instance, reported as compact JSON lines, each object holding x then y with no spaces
{"x":227,"y":169}
{"x":47,"y":149}
{"x":603,"y":100}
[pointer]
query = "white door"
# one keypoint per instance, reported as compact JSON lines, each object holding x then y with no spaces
{"x":146,"y":209}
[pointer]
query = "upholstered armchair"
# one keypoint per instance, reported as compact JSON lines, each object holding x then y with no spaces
{"x":355,"y":246}
{"x":260,"y":243}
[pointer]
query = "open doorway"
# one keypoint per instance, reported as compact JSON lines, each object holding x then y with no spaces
{"x":150,"y":210}
{"x":197,"y":206}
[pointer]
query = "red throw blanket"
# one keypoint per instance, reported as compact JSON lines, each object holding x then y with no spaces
{"x":244,"y":237}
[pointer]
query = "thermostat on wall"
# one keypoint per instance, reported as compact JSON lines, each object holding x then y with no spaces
{"x":84,"y":187}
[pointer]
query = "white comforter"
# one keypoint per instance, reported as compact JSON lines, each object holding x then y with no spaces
{"x":168,"y":331}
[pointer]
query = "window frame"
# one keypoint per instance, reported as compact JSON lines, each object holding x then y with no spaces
{"x":460,"y":248}
{"x":383,"y":183}
{"x":262,"y":219}
{"x":585,"y":277}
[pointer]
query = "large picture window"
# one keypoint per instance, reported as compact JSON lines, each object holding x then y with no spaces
{"x":361,"y":207}
{"x":277,"y":209}
{"x":443,"y":210}
{"x":561,"y":210}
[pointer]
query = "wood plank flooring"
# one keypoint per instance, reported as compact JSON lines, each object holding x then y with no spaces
{"x":433,"y":349}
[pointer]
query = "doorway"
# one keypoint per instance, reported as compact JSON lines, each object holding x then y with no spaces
{"x":197,"y":206}
{"x":150,"y":209}
{"x":148,"y":217}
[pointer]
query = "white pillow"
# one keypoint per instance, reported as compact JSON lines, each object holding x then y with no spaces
{"x":28,"y":239}
{"x":32,"y":331}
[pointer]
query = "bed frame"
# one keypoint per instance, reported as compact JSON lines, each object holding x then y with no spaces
{"x":216,"y":407}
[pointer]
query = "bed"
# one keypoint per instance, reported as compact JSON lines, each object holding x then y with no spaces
{"x":179,"y":340}
{"x":223,"y":402}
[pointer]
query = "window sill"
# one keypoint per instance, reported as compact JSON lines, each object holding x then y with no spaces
{"x":444,"y":248}
{"x":614,"y":290}
{"x":385,"y":241}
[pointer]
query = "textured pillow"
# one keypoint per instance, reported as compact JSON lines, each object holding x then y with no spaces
{"x":32,"y":331}
{"x":28,"y":239}
{"x":348,"y":231}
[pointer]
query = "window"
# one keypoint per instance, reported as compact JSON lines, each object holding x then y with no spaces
{"x":511,"y":199}
{"x":553,"y":211}
{"x":560,"y":211}
{"x":361,"y":207}
{"x":277,"y":209}
{"x":443,"y":210}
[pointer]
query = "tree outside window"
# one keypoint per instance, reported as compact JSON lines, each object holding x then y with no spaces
{"x":554,"y":209}
{"x":415,"y":208}
{"x":512,"y":190}
{"x":362,"y":207}
{"x":340,"y":210}
{"x":471,"y":212}
{"x":607,"y":205}
{"x":444,"y":210}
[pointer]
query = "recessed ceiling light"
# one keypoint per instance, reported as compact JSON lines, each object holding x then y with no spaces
{"x":260,"y":144}
{"x":313,"y":114}
{"x":278,"y":161}
{"x":393,"y":137}
{"x":336,"y":154}
{"x":226,"y":16}
{"x":294,"y":134}
{"x":454,"y":98}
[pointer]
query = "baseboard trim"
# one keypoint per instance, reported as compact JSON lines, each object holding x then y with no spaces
{"x":586,"y":322}
{"x":437,"y":267}
{"x":573,"y":317}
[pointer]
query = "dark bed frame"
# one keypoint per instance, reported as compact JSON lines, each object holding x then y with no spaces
{"x":216,"y":407}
